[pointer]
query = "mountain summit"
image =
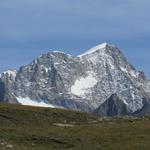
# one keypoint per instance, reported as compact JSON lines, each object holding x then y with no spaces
{"x":83,"y":83}
{"x":95,"y":49}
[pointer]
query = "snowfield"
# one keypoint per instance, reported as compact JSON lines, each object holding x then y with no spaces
{"x":29,"y":102}
{"x":82,"y":85}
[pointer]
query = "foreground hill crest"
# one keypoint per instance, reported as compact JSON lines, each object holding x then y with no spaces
{"x":82,"y":83}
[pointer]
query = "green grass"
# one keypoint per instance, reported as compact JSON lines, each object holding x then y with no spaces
{"x":31,"y":128}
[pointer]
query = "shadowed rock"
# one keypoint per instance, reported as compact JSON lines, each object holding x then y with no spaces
{"x":114,"y":106}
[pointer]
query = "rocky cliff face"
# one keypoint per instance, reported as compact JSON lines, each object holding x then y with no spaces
{"x":82,"y":83}
{"x":6,"y":84}
{"x":114,"y":106}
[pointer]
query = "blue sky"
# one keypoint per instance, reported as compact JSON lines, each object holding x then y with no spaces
{"x":31,"y":27}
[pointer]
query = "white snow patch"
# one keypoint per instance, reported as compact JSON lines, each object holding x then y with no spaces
{"x":125,"y":102}
{"x":134,"y":74}
{"x":82,"y":85}
{"x":56,"y":63}
{"x":29,"y":102}
{"x":124,"y":69}
{"x":133,"y":95}
{"x":131,"y":87}
{"x":46,"y":69}
{"x":57,"y":51}
{"x":35,"y":61}
{"x":131,"y":72}
{"x":94,"y":49}
{"x":10,"y":72}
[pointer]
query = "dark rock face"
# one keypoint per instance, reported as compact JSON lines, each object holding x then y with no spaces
{"x":5,"y":95}
{"x":81,"y":83}
{"x":2,"y":90}
{"x":145,"y":110}
{"x":114,"y":106}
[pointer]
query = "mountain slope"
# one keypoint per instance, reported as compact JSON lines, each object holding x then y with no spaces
{"x":112,"y":107}
{"x":81,"y":83}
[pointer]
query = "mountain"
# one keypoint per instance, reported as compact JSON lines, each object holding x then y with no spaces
{"x":83,"y":83}
{"x":6,"y":80}
{"x":112,"y":107}
{"x":144,"y":111}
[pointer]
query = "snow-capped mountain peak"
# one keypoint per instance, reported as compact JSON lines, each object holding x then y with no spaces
{"x":96,"y":48}
{"x":82,"y":83}
{"x":10,"y":73}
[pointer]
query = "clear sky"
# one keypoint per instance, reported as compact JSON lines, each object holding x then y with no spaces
{"x":29,"y":28}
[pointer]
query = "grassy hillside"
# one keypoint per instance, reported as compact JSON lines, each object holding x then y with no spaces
{"x":30,"y":128}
